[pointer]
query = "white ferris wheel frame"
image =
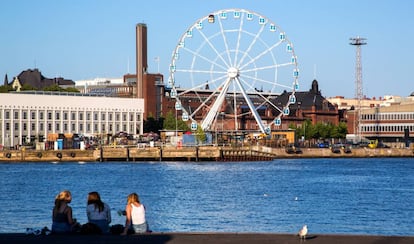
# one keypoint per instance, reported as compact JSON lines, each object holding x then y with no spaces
{"x":232,"y":63}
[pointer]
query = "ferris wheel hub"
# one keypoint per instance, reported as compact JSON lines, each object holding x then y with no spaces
{"x":233,"y":72}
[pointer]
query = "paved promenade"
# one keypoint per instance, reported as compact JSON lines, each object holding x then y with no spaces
{"x":202,"y":238}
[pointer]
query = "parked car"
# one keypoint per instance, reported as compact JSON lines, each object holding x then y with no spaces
{"x":293,"y":149}
{"x":322,"y":144}
{"x":336,"y":148}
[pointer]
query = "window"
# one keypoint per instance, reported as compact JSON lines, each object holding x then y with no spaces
{"x":103,"y":116}
{"x":57,"y":126}
{"x":41,"y":115}
{"x":81,"y":127}
{"x":33,"y":115}
{"x":16,"y":115}
{"x":88,"y":116}
{"x":80,"y":116}
{"x":57,"y":115}
{"x":95,"y":116}
{"x":96,"y":127}
{"x":7,"y":126}
{"x":41,"y":127}
{"x":24,"y":115}
{"x":49,"y":126}
{"x":33,"y":126}
{"x":16,"y":126}
{"x":7,"y":115}
{"x":24,"y":126}
{"x":65,"y":116}
{"x":49,"y":115}
{"x":110,"y":117}
{"x":73,"y":116}
{"x":73,"y":127}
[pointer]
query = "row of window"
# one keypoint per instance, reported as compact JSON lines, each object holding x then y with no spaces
{"x":65,"y":127}
{"x":57,"y":115}
{"x":386,"y":128}
{"x":388,"y":116}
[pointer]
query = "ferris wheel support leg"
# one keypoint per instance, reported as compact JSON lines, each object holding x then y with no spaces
{"x":214,"y":109}
{"x":251,"y":106}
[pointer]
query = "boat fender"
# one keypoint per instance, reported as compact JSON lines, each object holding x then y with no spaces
{"x":72,"y":154}
{"x":39,"y":155}
{"x":8,"y":155}
{"x":59,"y":155}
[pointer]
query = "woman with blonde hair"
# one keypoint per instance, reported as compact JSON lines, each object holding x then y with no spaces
{"x":135,"y":215}
{"x":98,"y":212}
{"x":63,"y":222}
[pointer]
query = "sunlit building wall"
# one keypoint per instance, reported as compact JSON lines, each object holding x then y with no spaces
{"x":27,"y":117}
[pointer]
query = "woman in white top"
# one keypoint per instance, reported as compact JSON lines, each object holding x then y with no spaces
{"x":98,"y":212}
{"x":135,"y":215}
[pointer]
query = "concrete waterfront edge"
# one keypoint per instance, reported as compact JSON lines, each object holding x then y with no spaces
{"x":201,"y":238}
{"x":200,"y":153}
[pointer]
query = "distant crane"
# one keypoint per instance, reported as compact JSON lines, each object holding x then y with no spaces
{"x":358,"y":42}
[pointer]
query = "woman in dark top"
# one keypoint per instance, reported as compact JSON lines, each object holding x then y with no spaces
{"x":62,"y":214}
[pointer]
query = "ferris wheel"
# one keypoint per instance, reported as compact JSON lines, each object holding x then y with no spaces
{"x":233,"y":63}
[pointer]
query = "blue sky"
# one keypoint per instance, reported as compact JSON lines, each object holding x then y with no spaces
{"x":85,"y":39}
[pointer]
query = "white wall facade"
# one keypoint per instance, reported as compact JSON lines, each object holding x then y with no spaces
{"x":25,"y":117}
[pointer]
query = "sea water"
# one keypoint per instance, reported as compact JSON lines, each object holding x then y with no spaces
{"x":341,"y":196}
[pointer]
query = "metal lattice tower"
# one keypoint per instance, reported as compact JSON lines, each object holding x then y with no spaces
{"x":358,"y":42}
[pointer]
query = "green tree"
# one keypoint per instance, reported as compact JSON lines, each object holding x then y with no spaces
{"x":308,"y":129}
{"x":170,"y":121}
{"x":340,"y":130}
{"x":151,"y":124}
{"x":53,"y":87}
{"x":72,"y":89}
{"x":5,"y":89}
{"x":200,"y":135}
{"x":27,"y":87}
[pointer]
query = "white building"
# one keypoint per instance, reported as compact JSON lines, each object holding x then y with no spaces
{"x":33,"y":116}
{"x":100,"y":82}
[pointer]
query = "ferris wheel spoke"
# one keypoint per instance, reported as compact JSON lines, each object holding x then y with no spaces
{"x":225,"y":41}
{"x":269,"y":50}
{"x":252,"y":78}
{"x":200,"y":71}
{"x":203,"y":104}
{"x":265,"y":99}
{"x":212,"y":47}
{"x":202,"y":85}
{"x":236,"y":54}
{"x":267,"y":67}
{"x":251,"y":45}
{"x":196,"y":54}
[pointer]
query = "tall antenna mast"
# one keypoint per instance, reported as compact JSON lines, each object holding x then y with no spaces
{"x":358,"y":42}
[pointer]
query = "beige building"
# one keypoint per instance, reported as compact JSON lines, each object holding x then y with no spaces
{"x":391,"y":123}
